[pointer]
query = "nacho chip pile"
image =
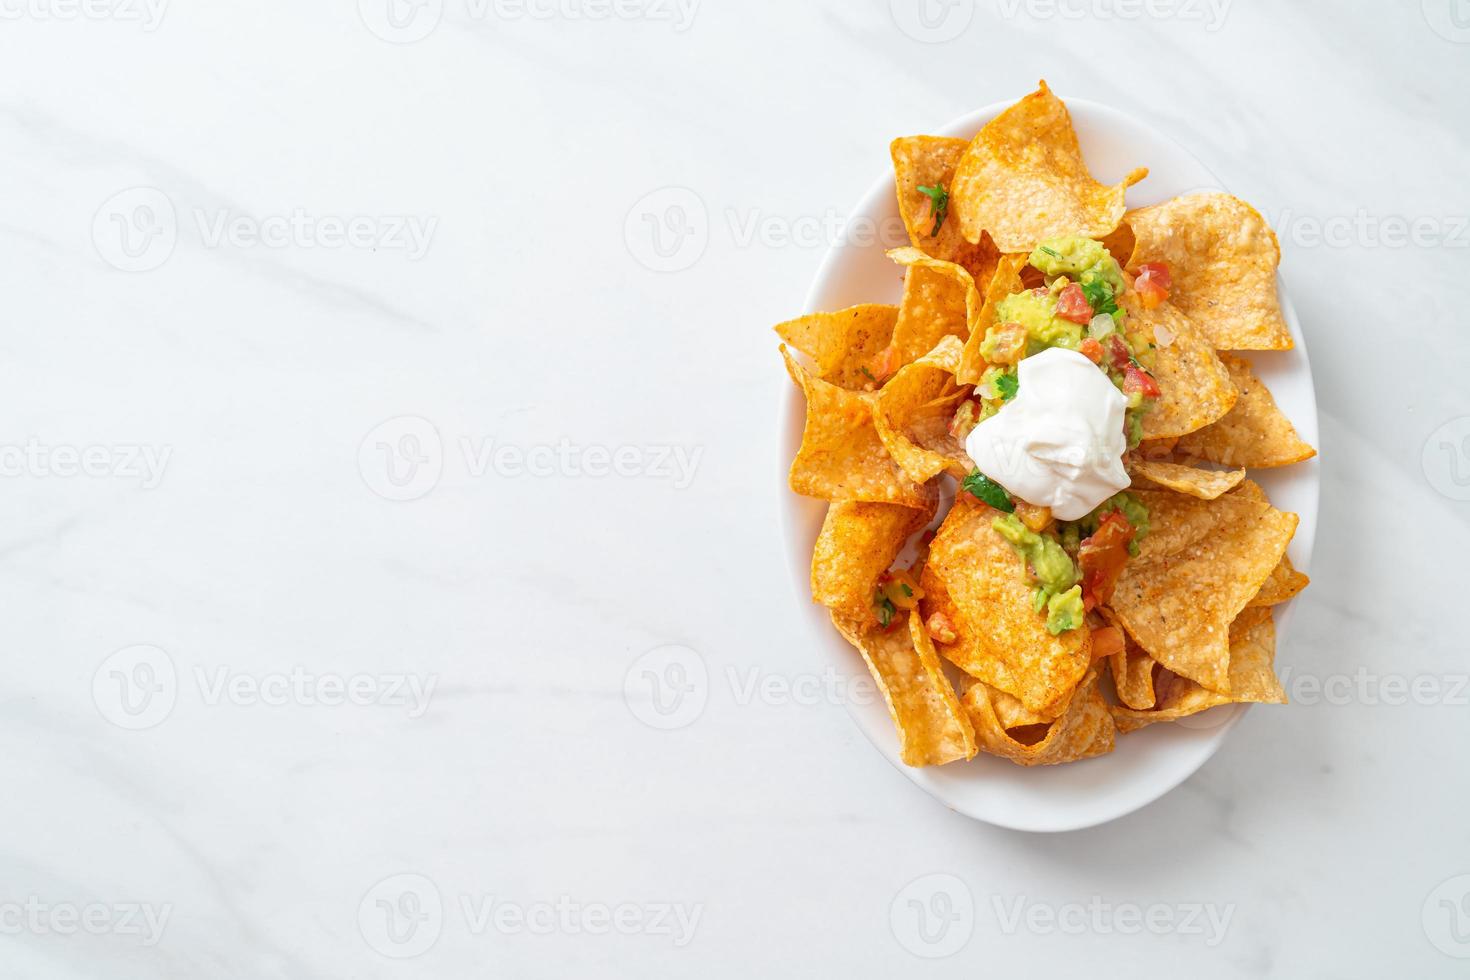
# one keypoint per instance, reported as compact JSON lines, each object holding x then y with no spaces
{"x":1177,"y":577}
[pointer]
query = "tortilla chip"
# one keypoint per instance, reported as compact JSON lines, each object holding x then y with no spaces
{"x":938,"y":298}
{"x":1222,"y":257}
{"x":1082,"y":730}
{"x":857,"y":544}
{"x":841,"y":456}
{"x":1179,"y":605}
{"x":1196,"y":387}
{"x":1253,"y":434}
{"x":929,"y":161}
{"x":1204,"y":484}
{"x":1007,"y":280}
{"x":984,"y":587}
{"x":844,"y":343}
{"x":1022,"y":179}
{"x":932,"y":727}
{"x":913,"y":412}
{"x":1283,"y":583}
{"x":1252,"y":679}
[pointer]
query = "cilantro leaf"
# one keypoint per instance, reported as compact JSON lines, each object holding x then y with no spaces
{"x":885,"y":609}
{"x":938,"y":196}
{"x":1051,"y":251}
{"x":1007,"y":385}
{"x":983,"y":488}
{"x":1099,"y":296}
{"x":867,"y":374}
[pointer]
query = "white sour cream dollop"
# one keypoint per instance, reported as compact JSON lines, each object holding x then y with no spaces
{"x":1059,"y":443}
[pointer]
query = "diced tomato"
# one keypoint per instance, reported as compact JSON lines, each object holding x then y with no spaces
{"x":1101,"y":558}
{"x":1137,"y":380}
{"x":1106,"y":641}
{"x":1006,"y":343}
{"x":1072,"y":304}
{"x":1152,"y":284}
{"x":1092,"y":350}
{"x":884,"y":363}
{"x":941,"y":629}
{"x":1118,"y":353}
{"x":1035,"y":518}
{"x":1158,"y":272}
{"x":966,"y":417}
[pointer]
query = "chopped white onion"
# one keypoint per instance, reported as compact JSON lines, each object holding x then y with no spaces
{"x":1164,"y":335}
{"x":1101,"y":326}
{"x":987,"y":391}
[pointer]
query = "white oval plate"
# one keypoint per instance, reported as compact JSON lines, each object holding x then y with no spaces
{"x":1148,"y":763}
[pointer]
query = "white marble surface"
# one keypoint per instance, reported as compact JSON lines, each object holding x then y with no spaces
{"x":229,"y":550}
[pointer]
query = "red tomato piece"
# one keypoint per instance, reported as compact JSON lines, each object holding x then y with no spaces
{"x":1072,"y":304}
{"x":1135,"y":379}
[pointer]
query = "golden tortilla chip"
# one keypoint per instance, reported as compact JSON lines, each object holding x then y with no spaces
{"x":1022,"y":179}
{"x":1222,"y":258}
{"x":1252,"y":679}
{"x":841,"y":456}
{"x":1132,"y":669}
{"x":932,"y":727}
{"x":1083,"y":729}
{"x":857,"y":544}
{"x":929,"y":161}
{"x":938,"y":298}
{"x":1007,"y":280}
{"x":985,"y":588}
{"x":913,"y":413}
{"x":843,"y":344}
{"x":1196,"y":387}
{"x":1204,"y":484}
{"x":1253,"y":434}
{"x":1179,"y":606}
{"x":1283,"y":583}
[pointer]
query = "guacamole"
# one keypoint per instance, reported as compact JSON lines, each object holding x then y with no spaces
{"x":1057,"y":590}
{"x":1081,"y":260}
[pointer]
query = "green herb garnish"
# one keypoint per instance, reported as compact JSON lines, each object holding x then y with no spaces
{"x":939,"y":201}
{"x":885,"y":608}
{"x":985,"y":489}
{"x":1100,"y":296}
{"x":1007,"y":385}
